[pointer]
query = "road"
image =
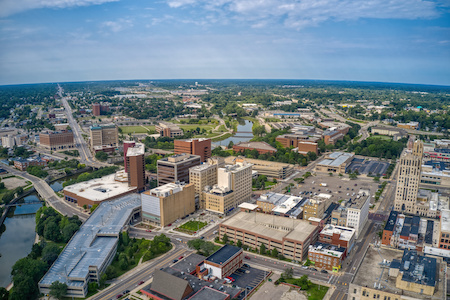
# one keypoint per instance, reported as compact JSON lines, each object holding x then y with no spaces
{"x":47,"y":193}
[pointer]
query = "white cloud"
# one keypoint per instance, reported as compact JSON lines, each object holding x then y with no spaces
{"x":302,"y":13}
{"x":10,"y":7}
{"x":119,"y":25}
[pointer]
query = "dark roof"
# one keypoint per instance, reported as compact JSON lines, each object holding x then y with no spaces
{"x":222,"y":255}
{"x":395,"y":264}
{"x":390,"y":224}
{"x":189,"y":263}
{"x":405,"y":230}
{"x":169,"y":285}
{"x":333,"y":206}
{"x":429,"y":232}
{"x":207,"y":293}
{"x":418,"y":269}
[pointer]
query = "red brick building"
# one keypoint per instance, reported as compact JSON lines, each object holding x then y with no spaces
{"x":326,"y":256}
{"x":201,"y":147}
{"x":56,"y":140}
{"x":261,"y":147}
{"x":338,"y":236}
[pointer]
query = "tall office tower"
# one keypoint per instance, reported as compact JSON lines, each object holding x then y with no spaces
{"x":201,"y":177}
{"x":104,"y":135}
{"x":135,"y":164}
{"x":200,"y":147}
{"x":126,"y":145}
{"x":176,"y":168}
{"x":409,"y":177}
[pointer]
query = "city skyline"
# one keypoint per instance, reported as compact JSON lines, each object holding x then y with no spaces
{"x":386,"y":41}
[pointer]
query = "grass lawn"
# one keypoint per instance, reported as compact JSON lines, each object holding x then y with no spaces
{"x":381,"y":137}
{"x":223,"y":137}
{"x":193,"y":225}
{"x":136,"y":129}
{"x":268,"y":184}
{"x":194,"y":126}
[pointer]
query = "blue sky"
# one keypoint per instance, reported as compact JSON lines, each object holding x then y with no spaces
{"x":404,"y":41}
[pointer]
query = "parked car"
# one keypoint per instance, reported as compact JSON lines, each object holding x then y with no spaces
{"x":148,"y":230}
{"x":119,"y":296}
{"x":142,"y":282}
{"x":175,"y":260}
{"x":247,"y":257}
{"x":304,"y":267}
{"x":313,"y":269}
{"x":324,"y":271}
{"x":181,"y":257}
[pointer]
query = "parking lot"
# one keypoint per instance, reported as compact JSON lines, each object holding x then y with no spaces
{"x":368,"y":167}
{"x":339,"y":187}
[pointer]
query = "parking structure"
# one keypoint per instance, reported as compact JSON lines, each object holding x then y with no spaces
{"x":248,"y":277}
{"x":368,"y":167}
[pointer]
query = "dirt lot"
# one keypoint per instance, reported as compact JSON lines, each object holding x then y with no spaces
{"x":337,"y":186}
{"x":269,"y":291}
{"x":14,"y":182}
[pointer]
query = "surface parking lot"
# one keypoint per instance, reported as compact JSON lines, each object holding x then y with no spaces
{"x":338,"y":187}
{"x":368,"y":167}
{"x":248,"y":277}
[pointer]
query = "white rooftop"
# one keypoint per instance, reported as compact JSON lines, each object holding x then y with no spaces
{"x":345,"y":233}
{"x":138,"y":149}
{"x":287,"y":205}
{"x":165,"y":190}
{"x":445,"y":220}
{"x":100,"y":189}
{"x":247,"y":205}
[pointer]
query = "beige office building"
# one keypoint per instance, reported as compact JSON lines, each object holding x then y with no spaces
{"x":201,"y":177}
{"x":316,"y":206}
{"x":104,"y":135}
{"x":271,"y":169}
{"x":165,"y":204}
{"x":409,"y":178}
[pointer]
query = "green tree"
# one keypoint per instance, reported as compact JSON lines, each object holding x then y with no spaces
{"x":101,"y":156}
{"x":262,"y":249}
{"x":69,"y":230}
{"x":225,"y":238}
{"x":3,"y":293}
{"x":274,"y":252}
{"x":52,"y":232}
{"x":288,"y":273}
{"x":239,"y":244}
{"x":111,"y":272}
{"x":50,"y":253}
{"x":58,"y":290}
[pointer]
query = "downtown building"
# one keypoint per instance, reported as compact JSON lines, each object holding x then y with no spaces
{"x":56,"y":140}
{"x":135,"y":165}
{"x":201,"y":147}
{"x":409,"y":173}
{"x":175,"y":168}
{"x":104,"y":136}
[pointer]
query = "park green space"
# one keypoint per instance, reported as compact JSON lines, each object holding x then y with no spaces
{"x":193,"y":226}
{"x":136,"y":129}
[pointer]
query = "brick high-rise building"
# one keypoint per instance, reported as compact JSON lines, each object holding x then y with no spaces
{"x":55,"y":140}
{"x":176,"y":168}
{"x":96,"y":109}
{"x":409,"y":170}
{"x":135,"y":164}
{"x":104,"y":135}
{"x":200,"y":147}
{"x":126,"y":145}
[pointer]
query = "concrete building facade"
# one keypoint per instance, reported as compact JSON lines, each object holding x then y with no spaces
{"x":203,"y":176}
{"x":176,"y":168}
{"x":409,"y":178}
{"x":56,"y":140}
{"x":104,"y":135}
{"x":165,"y":204}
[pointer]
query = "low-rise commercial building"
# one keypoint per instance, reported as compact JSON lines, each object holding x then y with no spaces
{"x":168,"y":130}
{"x":270,"y":169}
{"x":165,"y":204}
{"x":402,"y":275}
{"x":56,"y":140}
{"x":338,"y":236}
{"x":98,"y":190}
{"x":304,"y":144}
{"x":409,"y":125}
{"x":326,"y":256}
{"x":401,"y":231}
{"x":224,"y":261}
{"x":261,"y":147}
{"x":92,"y":248}
{"x":22,"y":164}
{"x":291,"y":237}
{"x":336,"y":162}
{"x":316,"y":206}
{"x":281,"y":205}
{"x":436,"y":175}
{"x":396,"y":133}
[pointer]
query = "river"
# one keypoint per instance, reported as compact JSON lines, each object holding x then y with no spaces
{"x":18,"y":238}
{"x":243,"y":134}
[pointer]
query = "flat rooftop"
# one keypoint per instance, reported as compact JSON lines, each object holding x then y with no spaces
{"x":166,"y":189}
{"x":445,"y":220}
{"x":100,"y":189}
{"x":373,"y":261}
{"x":256,"y":145}
{"x":93,"y":242}
{"x":327,"y":249}
{"x":345,"y":233}
{"x":224,"y":254}
{"x":207,"y":293}
{"x":271,"y":226}
{"x":138,"y":149}
{"x":336,"y":159}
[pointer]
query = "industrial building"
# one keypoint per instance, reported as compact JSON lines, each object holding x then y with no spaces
{"x":92,"y":248}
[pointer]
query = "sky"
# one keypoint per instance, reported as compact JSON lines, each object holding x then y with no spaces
{"x":405,"y":41}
